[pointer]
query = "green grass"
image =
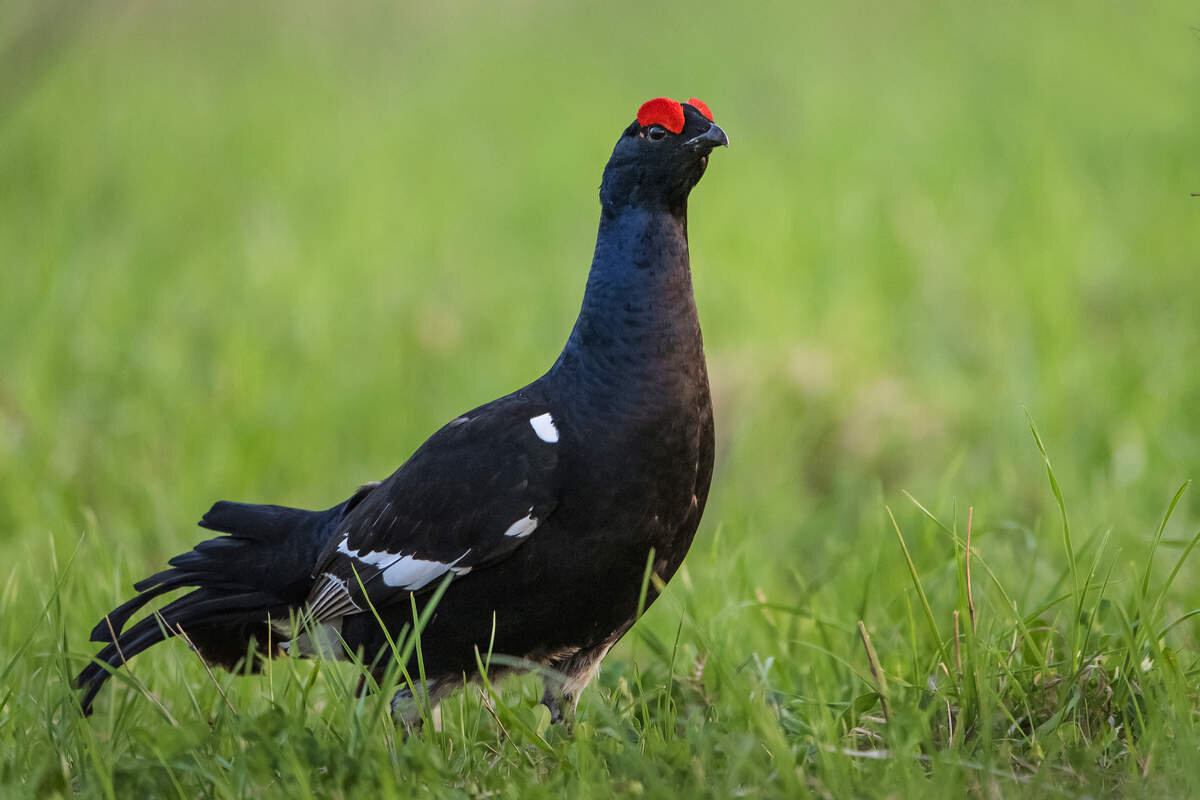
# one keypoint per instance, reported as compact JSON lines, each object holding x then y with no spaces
{"x":259,"y":254}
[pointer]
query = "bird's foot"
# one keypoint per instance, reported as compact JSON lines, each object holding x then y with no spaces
{"x":407,"y":711}
{"x":562,"y":708}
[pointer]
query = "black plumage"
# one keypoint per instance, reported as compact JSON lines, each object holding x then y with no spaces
{"x":544,"y":505}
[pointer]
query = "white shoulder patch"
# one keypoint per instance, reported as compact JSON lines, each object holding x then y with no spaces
{"x":406,"y":572}
{"x":524,"y":526}
{"x":543,"y":426}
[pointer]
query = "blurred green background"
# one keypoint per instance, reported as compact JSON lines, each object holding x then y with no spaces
{"x":260,"y":251}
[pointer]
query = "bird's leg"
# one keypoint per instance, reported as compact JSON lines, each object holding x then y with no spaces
{"x":550,"y":701}
{"x":559,"y":701}
{"x":406,"y":712}
{"x":406,"y":708}
{"x":570,"y":677}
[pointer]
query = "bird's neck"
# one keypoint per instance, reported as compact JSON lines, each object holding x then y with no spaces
{"x":638,"y":325}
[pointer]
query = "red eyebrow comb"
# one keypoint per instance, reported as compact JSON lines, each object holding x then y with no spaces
{"x":661,"y":111}
{"x":700,"y":106}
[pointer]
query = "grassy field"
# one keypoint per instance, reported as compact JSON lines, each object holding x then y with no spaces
{"x":260,"y":253}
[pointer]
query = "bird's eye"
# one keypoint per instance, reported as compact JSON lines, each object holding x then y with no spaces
{"x":656,"y":132}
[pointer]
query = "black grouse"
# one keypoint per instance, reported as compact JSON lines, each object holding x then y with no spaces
{"x":543,"y":506}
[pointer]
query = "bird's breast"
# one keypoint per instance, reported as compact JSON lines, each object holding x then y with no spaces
{"x":635,"y":473}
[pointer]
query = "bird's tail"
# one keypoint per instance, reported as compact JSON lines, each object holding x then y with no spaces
{"x":261,"y":570}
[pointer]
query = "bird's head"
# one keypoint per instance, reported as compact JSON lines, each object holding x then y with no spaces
{"x":661,"y":156}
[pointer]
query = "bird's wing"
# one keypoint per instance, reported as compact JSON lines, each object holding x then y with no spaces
{"x":468,"y":497}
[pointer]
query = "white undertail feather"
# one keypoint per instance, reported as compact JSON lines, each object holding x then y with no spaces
{"x":333,"y":599}
{"x":321,"y":640}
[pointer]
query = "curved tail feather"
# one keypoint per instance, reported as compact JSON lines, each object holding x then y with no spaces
{"x":260,"y":570}
{"x":204,"y":617}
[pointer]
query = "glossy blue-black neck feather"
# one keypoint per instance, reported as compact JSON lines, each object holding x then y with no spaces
{"x":638,"y":336}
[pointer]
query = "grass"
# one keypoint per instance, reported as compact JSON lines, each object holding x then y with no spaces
{"x":260,"y":253}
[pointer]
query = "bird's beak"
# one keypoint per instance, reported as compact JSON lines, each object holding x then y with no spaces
{"x":713,"y":137}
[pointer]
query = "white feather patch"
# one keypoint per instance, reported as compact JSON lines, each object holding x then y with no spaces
{"x":524,"y":526}
{"x":321,"y":640}
{"x":544,"y":427}
{"x":333,"y":598}
{"x":406,"y":572}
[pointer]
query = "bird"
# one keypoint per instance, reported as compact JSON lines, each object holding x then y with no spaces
{"x":533,"y":521}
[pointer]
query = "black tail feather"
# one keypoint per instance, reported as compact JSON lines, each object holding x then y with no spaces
{"x":260,"y":570}
{"x":199,"y":609}
{"x":251,"y":521}
{"x":150,"y":588}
